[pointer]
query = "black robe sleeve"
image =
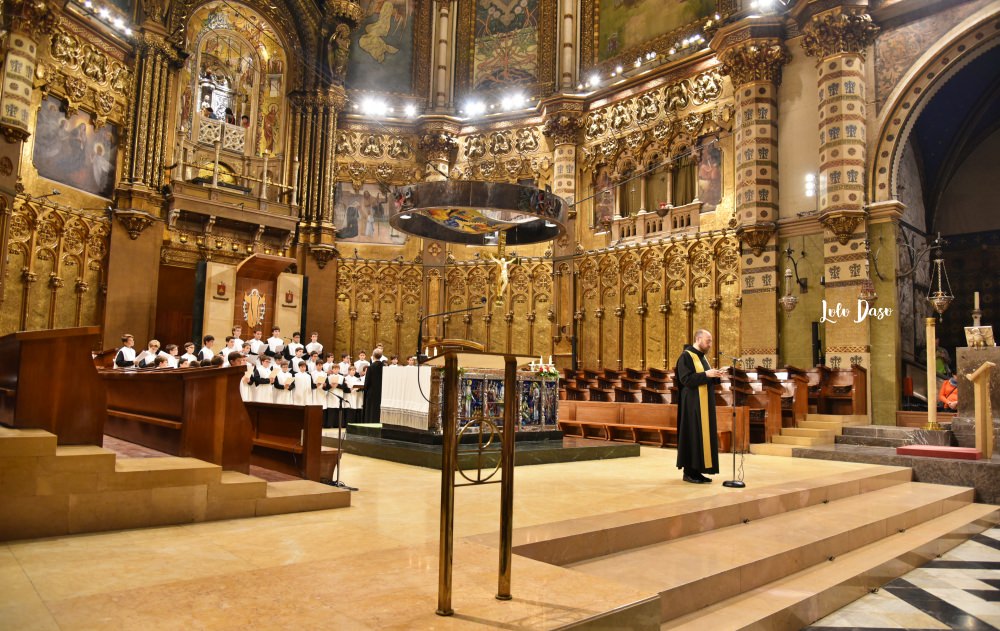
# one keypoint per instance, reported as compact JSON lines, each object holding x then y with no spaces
{"x":121,"y":362}
{"x":689,"y":377}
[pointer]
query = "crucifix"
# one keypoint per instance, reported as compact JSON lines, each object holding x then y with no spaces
{"x":503,"y":263}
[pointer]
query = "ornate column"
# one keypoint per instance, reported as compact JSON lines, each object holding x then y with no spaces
{"x":568,"y":33}
{"x":839,"y":38}
{"x":444,"y":31}
{"x":28,"y":24}
{"x":563,"y":122}
{"x":752,"y":52}
{"x":157,"y":61}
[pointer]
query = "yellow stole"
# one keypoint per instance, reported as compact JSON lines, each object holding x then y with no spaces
{"x":706,"y":443}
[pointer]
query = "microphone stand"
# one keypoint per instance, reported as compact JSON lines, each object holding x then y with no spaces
{"x":340,"y":443}
{"x":735,"y":483}
{"x":420,"y":327}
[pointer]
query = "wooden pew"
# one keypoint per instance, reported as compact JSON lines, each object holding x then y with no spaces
{"x":845,"y":391}
{"x":192,"y":412}
{"x":767,"y":396}
{"x":796,"y":395}
{"x":289,"y":439}
{"x":816,"y":377}
{"x":48,"y":381}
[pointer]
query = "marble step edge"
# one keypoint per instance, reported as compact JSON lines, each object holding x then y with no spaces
{"x":808,"y":431}
{"x":844,"y":419}
{"x":579,"y":539}
{"x":879,"y":431}
{"x":297,"y":496}
{"x":834,"y":426}
{"x":802,"y":441}
{"x":873,"y":441}
{"x":799,"y":599}
{"x":735,"y":578}
{"x":772,"y":449}
{"x":22,"y":443}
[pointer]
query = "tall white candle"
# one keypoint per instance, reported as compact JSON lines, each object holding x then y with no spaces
{"x":975,"y":302}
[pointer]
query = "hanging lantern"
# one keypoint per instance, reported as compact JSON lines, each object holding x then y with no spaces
{"x":940,"y":299}
{"x":788,"y":301}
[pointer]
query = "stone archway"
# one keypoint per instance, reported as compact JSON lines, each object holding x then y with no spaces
{"x":971,"y":38}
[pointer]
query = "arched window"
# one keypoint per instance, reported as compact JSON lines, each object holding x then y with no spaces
{"x":685,"y":180}
{"x":629,"y":196}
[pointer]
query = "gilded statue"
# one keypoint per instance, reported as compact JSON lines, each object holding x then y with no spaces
{"x":338,"y":49}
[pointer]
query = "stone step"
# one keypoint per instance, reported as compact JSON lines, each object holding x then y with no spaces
{"x":802,"y":441}
{"x":872,"y":441}
{"x":26,"y":443}
{"x":809,"y":432}
{"x":879,"y":431}
{"x":833,"y":426}
{"x":295,"y":496}
{"x":703,"y":569}
{"x":167,"y":471}
{"x":580,"y":539}
{"x":845,"y":419}
{"x":771,"y":449}
{"x":800,"y":599}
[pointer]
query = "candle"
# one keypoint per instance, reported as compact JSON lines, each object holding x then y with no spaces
{"x":550,"y":360}
{"x":975,"y":304}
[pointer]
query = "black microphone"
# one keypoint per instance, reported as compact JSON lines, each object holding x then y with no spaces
{"x":420,"y":328}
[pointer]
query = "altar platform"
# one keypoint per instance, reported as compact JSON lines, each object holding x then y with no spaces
{"x":423,"y":449}
{"x":607,"y":544}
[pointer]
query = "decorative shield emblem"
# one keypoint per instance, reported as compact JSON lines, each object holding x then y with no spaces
{"x":253,"y":308}
{"x":220,"y":289}
{"x":289,"y":297}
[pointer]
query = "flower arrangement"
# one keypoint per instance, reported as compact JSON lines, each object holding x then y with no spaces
{"x":542,"y":369}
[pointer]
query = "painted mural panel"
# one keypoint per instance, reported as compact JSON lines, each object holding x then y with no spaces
{"x":710,"y":176}
{"x":382,"y":47}
{"x":625,"y":24}
{"x":362,"y":216}
{"x":506,"y":43}
{"x":70,"y":150}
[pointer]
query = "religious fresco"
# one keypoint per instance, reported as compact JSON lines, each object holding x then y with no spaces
{"x":362,"y":215}
{"x":506,"y":43}
{"x":71,"y":151}
{"x":382,"y":47}
{"x":240,"y":65}
{"x":604,"y":197}
{"x":710,"y":176}
{"x":622,"y":25}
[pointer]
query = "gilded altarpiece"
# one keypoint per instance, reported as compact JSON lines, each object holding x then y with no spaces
{"x":637,"y":307}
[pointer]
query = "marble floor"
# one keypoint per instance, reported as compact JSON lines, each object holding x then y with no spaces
{"x":959,"y":590}
{"x":370,"y":566}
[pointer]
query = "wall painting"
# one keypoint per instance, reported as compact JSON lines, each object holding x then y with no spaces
{"x":382,"y":47}
{"x":621,"y":26}
{"x":506,"y":49}
{"x":70,"y":150}
{"x":362,"y":215}
{"x":710,"y":176}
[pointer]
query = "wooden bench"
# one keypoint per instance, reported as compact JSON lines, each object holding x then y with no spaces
{"x":796,"y":387}
{"x":48,"y":381}
{"x":845,"y":391}
{"x":192,"y":412}
{"x":289,"y":439}
{"x":642,"y":423}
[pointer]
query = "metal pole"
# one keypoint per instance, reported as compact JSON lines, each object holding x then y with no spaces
{"x":511,"y":412}
{"x":932,"y":391}
{"x":449,"y":461}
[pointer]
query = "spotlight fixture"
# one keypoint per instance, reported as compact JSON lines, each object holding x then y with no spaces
{"x":54,"y":192}
{"x":410,"y":110}
{"x":405,"y":216}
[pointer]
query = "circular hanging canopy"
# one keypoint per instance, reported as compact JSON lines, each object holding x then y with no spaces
{"x":473,"y":213}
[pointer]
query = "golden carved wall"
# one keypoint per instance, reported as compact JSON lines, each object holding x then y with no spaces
{"x":56,"y":267}
{"x":636,"y":307}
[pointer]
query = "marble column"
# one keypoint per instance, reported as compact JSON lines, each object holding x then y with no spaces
{"x":444,"y":61}
{"x":838,"y":38}
{"x":752,"y":52}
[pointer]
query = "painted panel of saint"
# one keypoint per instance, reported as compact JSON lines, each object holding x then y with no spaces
{"x":382,"y":47}
{"x":625,"y":24}
{"x":362,"y":216}
{"x":72,"y":151}
{"x":710,"y":177}
{"x":506,"y":48}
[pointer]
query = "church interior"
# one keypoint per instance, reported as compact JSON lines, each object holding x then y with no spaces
{"x":534,"y":208}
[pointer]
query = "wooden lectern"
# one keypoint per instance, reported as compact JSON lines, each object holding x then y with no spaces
{"x":48,"y":381}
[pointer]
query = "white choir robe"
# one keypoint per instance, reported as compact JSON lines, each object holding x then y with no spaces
{"x":344,"y":367}
{"x":293,"y":364}
{"x":275,"y":345}
{"x":246,"y":389}
{"x":319,"y":395}
{"x":205,"y":354}
{"x":225,"y":355}
{"x":355,"y":399}
{"x":126,"y":354}
{"x":256,"y":350}
{"x":189,"y":357}
{"x":314,"y":346}
{"x":291,"y":348}
{"x":263,"y":392}
{"x":303,"y":392}
{"x":238,"y":343}
{"x":171,"y":359}
{"x":283,"y":395}
{"x":360,"y":364}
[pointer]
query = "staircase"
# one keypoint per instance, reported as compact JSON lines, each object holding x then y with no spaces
{"x":49,"y":490}
{"x":816,"y":430}
{"x":782,"y":558}
{"x":877,"y":436}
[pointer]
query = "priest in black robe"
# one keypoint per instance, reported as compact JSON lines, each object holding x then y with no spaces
{"x":697,"y":439}
{"x":371,"y":410}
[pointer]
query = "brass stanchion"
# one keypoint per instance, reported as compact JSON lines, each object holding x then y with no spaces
{"x":511,"y":412}
{"x":449,"y":462}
